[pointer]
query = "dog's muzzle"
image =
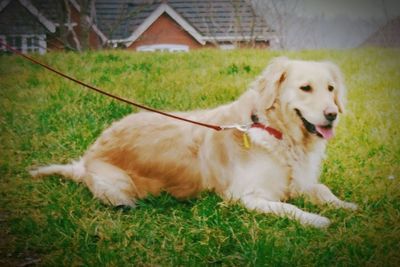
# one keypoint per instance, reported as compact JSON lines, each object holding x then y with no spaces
{"x":323,"y":131}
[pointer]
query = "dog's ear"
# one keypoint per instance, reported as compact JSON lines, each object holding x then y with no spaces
{"x":340,"y":89}
{"x":268,"y":83}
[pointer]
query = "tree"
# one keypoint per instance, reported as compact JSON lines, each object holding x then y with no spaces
{"x":280,"y":15}
{"x":75,"y":20}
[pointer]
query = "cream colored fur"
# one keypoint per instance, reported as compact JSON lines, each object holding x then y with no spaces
{"x":146,"y":153}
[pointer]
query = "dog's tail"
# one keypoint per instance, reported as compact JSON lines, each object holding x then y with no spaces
{"x":75,"y":171}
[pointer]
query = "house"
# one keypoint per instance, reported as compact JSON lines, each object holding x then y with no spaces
{"x":41,"y":25}
{"x":181,"y":25}
{"x":140,"y":25}
{"x":386,"y":36}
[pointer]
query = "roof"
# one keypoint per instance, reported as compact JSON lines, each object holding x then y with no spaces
{"x":25,"y":18}
{"x":49,"y":9}
{"x":147,"y":22}
{"x":34,"y":16}
{"x":386,"y":36}
{"x":210,"y":20}
{"x":125,"y":20}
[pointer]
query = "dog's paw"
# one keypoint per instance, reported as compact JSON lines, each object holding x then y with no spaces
{"x":322,"y":222}
{"x":34,"y":172}
{"x":318,"y":221}
{"x":349,"y":205}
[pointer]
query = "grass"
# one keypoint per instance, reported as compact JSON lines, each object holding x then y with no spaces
{"x":45,"y":119}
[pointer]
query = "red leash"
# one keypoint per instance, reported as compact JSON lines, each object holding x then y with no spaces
{"x":214,"y":127}
{"x":277,"y":134}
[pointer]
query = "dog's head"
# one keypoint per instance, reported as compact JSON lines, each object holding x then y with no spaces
{"x":311,"y":92}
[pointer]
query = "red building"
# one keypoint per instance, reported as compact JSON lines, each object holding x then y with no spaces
{"x":183,"y":24}
{"x":140,"y":25}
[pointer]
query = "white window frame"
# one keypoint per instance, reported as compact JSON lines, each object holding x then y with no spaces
{"x":227,"y":46}
{"x":41,"y":44}
{"x":163,"y":48}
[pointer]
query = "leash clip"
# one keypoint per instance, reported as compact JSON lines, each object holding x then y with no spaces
{"x":241,"y":128}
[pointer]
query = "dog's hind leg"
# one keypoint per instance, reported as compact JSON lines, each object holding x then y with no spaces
{"x":284,"y":210}
{"x":107,"y":182}
{"x":110,"y":184}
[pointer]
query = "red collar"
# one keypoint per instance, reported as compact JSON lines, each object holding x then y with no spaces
{"x":272,"y":131}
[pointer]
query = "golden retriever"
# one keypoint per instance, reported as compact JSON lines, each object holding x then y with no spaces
{"x":145,"y":153}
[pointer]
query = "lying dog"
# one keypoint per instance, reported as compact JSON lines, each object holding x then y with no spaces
{"x":291,"y":109}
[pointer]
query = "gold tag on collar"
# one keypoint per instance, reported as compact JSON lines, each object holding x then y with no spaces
{"x":246,"y":141}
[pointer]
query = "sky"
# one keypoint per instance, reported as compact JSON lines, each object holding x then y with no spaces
{"x":314,"y":24}
{"x":355,"y":9}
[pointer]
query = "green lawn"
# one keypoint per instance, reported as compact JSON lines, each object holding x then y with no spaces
{"x":45,"y":119}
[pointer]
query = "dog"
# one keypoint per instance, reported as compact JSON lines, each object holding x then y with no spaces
{"x":283,"y":123}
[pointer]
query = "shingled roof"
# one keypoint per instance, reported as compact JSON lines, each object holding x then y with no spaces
{"x":34,"y":16}
{"x":221,"y":20}
{"x":387,"y":36}
{"x":21,"y":17}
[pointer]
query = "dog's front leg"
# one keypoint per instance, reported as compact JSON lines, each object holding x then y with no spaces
{"x":284,"y":210}
{"x":306,"y":182}
{"x":321,"y":194}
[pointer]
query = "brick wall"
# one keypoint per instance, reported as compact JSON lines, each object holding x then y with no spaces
{"x":165,"y":31}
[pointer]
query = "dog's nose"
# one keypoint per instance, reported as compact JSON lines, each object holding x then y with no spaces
{"x":330,"y":114}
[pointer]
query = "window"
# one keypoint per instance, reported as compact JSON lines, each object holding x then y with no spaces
{"x":32,"y":44}
{"x":163,"y":48}
{"x":14,"y":41}
{"x":26,"y":43}
{"x":227,"y":46}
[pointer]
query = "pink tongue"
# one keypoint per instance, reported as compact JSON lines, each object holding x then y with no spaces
{"x":327,"y":133}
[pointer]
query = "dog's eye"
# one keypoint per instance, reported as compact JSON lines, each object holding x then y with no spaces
{"x":306,"y":88}
{"x":331,"y":88}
